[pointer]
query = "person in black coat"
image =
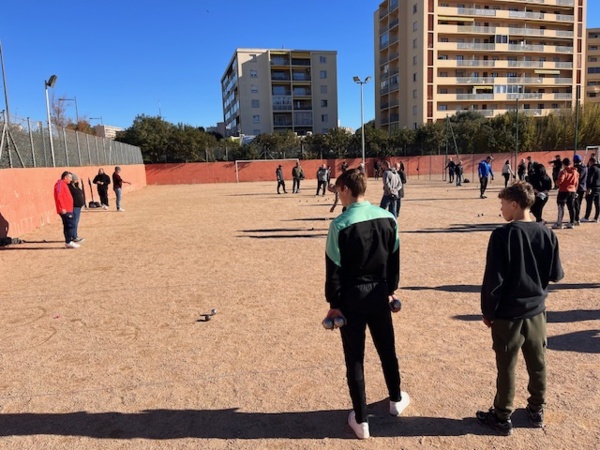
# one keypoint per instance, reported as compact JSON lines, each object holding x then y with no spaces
{"x":102,"y":180}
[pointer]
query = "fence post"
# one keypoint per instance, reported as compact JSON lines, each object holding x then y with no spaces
{"x":87,"y":141}
{"x":41,"y":128}
{"x":31,"y":141}
{"x":78,"y":149}
{"x":66,"y":147}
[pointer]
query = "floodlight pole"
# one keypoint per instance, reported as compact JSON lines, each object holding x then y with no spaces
{"x":4,"y":84}
{"x":74,"y":99}
{"x":362,"y":113}
{"x":50,"y":83}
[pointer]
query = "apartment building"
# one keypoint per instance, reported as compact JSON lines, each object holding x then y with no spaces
{"x":592,"y":91}
{"x":271,"y":90}
{"x":436,"y":57}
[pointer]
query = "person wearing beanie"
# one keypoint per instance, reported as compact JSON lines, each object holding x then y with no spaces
{"x":78,"y":203}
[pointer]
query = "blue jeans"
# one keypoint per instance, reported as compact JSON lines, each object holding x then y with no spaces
{"x":119,"y":194}
{"x":389,"y":202}
{"x":76,"y":216}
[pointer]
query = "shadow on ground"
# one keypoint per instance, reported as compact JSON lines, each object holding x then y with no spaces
{"x":163,"y":424}
{"x":458,"y":228}
{"x":476,"y":288}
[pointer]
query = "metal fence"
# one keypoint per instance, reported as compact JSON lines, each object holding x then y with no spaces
{"x":25,"y":143}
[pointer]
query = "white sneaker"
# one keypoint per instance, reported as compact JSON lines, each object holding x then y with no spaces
{"x":120,"y":210}
{"x":104,"y":207}
{"x":360,"y":429}
{"x":396,"y":408}
{"x":72,"y":245}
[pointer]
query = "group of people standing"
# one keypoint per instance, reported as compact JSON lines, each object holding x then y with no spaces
{"x":455,"y":171}
{"x":69,"y":199}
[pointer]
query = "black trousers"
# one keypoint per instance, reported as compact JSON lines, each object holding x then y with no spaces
{"x":281,"y":184}
{"x":321,"y":184}
{"x":484,"y":183}
{"x":296,"y":185}
{"x":577,"y":205}
{"x":451,"y":175}
{"x":103,"y":193}
{"x":538,"y":208}
{"x":365,"y":306}
{"x":593,"y":199}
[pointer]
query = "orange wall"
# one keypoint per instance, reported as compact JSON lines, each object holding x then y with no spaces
{"x":421,"y":167}
{"x":27,"y":199}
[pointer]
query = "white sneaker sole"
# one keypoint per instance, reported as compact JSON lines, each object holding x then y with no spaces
{"x":397,"y":408}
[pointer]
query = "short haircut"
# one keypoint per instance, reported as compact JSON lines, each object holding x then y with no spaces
{"x":566,"y":162}
{"x":65,"y":174}
{"x":520,"y":192}
{"x":354,"y":180}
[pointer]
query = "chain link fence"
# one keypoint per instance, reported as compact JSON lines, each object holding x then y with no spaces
{"x":25,"y":143}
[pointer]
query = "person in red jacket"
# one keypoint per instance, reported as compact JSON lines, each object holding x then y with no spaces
{"x":64,"y":207}
{"x":567,"y":181}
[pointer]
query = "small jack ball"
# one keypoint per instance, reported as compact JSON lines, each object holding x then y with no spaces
{"x":339,"y":322}
{"x":327,"y":323}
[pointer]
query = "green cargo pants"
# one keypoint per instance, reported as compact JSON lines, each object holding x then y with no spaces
{"x":510,"y":336}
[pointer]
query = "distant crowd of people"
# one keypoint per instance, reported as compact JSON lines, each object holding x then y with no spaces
{"x":393,"y":177}
{"x":69,"y":198}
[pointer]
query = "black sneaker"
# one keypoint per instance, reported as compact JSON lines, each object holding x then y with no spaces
{"x":536,"y":418}
{"x":489,"y":418}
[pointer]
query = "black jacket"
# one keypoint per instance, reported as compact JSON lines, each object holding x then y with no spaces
{"x":593,"y":178}
{"x":104,"y":178}
{"x":78,"y":196}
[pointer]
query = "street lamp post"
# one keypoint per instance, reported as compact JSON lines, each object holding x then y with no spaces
{"x":74,"y":99}
{"x":50,"y":82}
{"x":97,"y":118}
{"x":362,"y":113}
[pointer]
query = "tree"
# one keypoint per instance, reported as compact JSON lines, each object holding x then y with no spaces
{"x":151,"y":134}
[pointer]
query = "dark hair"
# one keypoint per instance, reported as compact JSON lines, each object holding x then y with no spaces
{"x":354,"y":180}
{"x":65,"y":174}
{"x":539,"y":168}
{"x":566,"y":162}
{"x":507,"y":162}
{"x":520,"y":192}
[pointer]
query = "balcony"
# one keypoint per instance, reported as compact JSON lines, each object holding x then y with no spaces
{"x":474,"y":80}
{"x":474,"y":96}
{"x":476,"y":12}
{"x":526,"y":15}
{"x":566,"y":96}
{"x":470,"y":29}
{"x":474,"y":46}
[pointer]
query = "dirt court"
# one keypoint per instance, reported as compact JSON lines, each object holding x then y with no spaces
{"x":101,"y":347}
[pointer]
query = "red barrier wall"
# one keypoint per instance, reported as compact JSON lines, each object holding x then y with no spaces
{"x":27,"y":199}
{"x":421,"y":167}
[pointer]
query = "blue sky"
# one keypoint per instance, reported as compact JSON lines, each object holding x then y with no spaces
{"x":121,"y":58}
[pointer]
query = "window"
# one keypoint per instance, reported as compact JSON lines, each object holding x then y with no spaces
{"x":414,"y":77}
{"x":592,"y":59}
{"x":255,"y":103}
{"x":415,"y":8}
{"x":443,"y":91}
{"x":325,"y":118}
{"x":254,"y":89}
{"x":256,"y":118}
{"x":414,"y":93}
{"x":253,"y":73}
{"x":323,"y":103}
{"x":443,"y":108}
{"x":323,"y":59}
{"x":442,"y":75}
{"x":414,"y":60}
{"x":414,"y":110}
{"x":415,"y":26}
{"x":323,"y":89}
{"x":256,"y":132}
{"x":414,"y":43}
{"x":323,"y":74}
{"x":444,"y":39}
{"x":554,"y":105}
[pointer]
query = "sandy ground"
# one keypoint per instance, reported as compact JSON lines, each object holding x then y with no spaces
{"x":101,"y":347}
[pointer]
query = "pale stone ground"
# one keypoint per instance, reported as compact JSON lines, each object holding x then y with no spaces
{"x":100,"y":347}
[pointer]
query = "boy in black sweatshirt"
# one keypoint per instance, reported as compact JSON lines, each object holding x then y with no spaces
{"x":522,"y":258}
